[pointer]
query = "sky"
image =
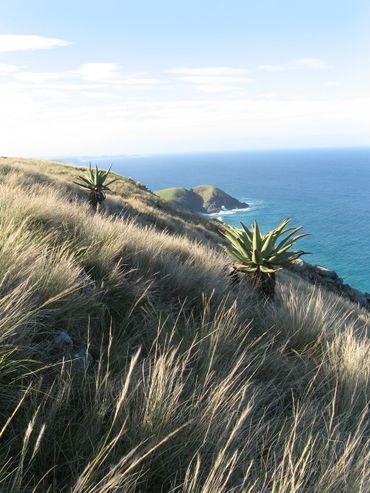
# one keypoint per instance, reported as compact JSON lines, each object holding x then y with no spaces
{"x":164,"y":76}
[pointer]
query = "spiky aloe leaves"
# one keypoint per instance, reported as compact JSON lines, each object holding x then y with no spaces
{"x":257,"y":252}
{"x":95,"y":180}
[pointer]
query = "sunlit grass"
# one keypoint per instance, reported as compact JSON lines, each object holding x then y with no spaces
{"x":194,"y":387}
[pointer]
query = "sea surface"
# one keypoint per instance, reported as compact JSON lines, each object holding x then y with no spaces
{"x":327,"y":191}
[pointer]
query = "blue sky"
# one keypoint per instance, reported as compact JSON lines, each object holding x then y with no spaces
{"x":116,"y":77}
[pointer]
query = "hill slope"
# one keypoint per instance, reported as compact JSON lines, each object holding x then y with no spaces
{"x":129,"y":363}
{"x":181,"y":197}
{"x":203,"y":199}
{"x":214,"y":199}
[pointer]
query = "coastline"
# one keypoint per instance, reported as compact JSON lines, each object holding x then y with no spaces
{"x":321,"y":276}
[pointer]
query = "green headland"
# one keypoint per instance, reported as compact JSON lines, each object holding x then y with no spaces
{"x":202,"y":198}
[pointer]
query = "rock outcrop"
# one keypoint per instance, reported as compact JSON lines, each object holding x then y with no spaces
{"x":320,"y":275}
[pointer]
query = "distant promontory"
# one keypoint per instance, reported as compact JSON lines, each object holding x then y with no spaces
{"x":203,"y":198}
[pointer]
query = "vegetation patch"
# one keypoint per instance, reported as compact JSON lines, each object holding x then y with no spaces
{"x":203,"y":199}
{"x":130,"y":362}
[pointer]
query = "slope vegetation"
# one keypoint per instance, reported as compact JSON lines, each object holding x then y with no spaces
{"x":214,"y":199}
{"x":203,"y":199}
{"x":129,"y":363}
{"x":181,"y":197}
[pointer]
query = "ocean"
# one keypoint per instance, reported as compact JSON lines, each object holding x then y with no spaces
{"x":327,"y":191}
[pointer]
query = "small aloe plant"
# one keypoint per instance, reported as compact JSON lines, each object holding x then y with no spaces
{"x":261,"y":256}
{"x":95,"y":181}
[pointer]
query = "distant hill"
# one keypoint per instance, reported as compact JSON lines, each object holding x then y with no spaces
{"x":203,"y":199}
{"x":183,"y":198}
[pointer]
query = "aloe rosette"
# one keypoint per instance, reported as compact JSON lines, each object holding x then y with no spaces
{"x":95,"y":181}
{"x":261,"y":255}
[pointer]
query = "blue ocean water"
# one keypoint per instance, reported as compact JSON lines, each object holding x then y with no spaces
{"x":326,"y":190}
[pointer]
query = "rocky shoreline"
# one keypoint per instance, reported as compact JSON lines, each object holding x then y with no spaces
{"x":317,"y":274}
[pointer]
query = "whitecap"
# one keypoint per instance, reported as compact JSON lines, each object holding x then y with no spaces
{"x":253,"y":205}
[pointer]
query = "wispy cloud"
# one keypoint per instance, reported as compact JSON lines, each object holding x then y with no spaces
{"x":271,"y":67}
{"x":213,"y":79}
{"x":6,"y":68}
{"x":197,"y":79}
{"x":98,"y":72}
{"x":312,"y":63}
{"x":182,"y":107}
{"x":24,"y":42}
{"x":111,"y":73}
{"x":307,"y":63}
{"x":169,"y":125}
{"x":331,"y":83}
{"x":209,"y":71}
{"x":93,"y":75}
{"x":38,"y":77}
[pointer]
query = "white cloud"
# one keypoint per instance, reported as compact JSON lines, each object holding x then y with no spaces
{"x":38,"y":77}
{"x":208,"y":71}
{"x":226,"y":85}
{"x":213,"y":79}
{"x":312,"y":63}
{"x":110,"y":73}
{"x":6,"y":68}
{"x":331,"y":83}
{"x":141,"y":79}
{"x":99,"y":72}
{"x":195,"y":79}
{"x":267,"y":95}
{"x":94,"y":122}
{"x":271,"y":68}
{"x":87,"y":76}
{"x":100,"y":108}
{"x":99,"y":95}
{"x":308,"y":63}
{"x":23,"y":42}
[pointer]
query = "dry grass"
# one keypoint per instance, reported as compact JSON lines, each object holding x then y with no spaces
{"x":193,"y":387}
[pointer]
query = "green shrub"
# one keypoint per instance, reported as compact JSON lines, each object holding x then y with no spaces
{"x":95,"y":183}
{"x":262,"y":255}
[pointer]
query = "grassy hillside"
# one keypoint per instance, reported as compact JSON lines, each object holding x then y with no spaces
{"x":203,"y":198}
{"x":181,"y":197}
{"x":129,"y":363}
{"x":214,"y":198}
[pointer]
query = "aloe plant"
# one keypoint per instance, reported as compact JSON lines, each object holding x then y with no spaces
{"x":261,"y":255}
{"x":95,"y":181}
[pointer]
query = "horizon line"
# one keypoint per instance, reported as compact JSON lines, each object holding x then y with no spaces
{"x":195,"y":152}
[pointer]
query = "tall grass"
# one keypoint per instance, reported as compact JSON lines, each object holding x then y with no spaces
{"x":188,"y":385}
